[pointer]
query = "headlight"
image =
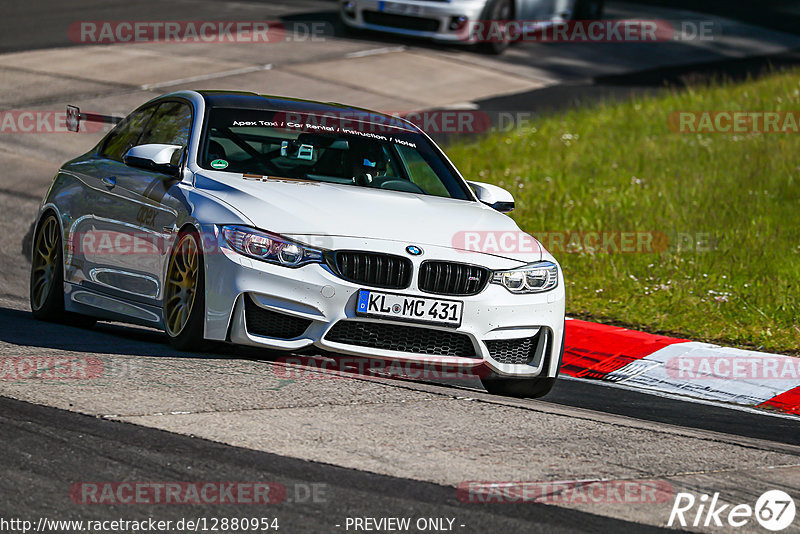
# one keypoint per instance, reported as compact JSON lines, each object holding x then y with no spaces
{"x":533,"y":278}
{"x":269,"y":247}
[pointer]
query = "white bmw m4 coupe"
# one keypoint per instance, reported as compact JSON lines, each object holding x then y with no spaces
{"x":465,"y":21}
{"x":294,"y":225}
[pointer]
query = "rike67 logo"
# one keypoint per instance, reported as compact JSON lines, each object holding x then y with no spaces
{"x":774,"y":510}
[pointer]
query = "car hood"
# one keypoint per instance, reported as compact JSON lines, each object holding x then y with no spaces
{"x":305,"y":208}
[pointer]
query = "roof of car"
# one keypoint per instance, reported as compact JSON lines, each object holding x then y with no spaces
{"x":247,"y":100}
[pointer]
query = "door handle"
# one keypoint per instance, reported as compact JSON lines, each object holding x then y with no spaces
{"x":110,"y":181}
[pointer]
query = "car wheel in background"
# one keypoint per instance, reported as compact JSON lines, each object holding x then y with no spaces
{"x":47,"y":276}
{"x":351,"y":31}
{"x":588,"y":10}
{"x":184,"y":294}
{"x":499,"y":11}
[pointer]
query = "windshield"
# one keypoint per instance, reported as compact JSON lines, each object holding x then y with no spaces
{"x":334,"y":149}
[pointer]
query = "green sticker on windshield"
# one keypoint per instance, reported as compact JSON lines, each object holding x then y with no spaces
{"x":219,"y":164}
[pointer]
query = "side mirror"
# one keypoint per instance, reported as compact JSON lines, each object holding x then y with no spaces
{"x":493,"y":196}
{"x":154,"y":157}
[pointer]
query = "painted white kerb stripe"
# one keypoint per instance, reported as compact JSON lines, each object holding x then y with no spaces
{"x":203,"y":77}
{"x":712,"y":372}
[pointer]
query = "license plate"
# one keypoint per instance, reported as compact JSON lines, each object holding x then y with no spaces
{"x":408,"y":308}
{"x":399,"y":8}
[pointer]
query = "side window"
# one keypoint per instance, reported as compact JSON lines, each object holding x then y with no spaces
{"x":170,"y":125}
{"x":421,"y":173}
{"x":126,"y":134}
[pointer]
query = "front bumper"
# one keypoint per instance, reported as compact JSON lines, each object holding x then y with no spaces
{"x":426,"y":19}
{"x":320,"y":299}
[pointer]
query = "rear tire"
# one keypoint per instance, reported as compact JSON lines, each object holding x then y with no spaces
{"x":47,"y":277}
{"x":184,"y":294}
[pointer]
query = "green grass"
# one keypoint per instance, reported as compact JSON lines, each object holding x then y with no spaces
{"x":618,"y":167}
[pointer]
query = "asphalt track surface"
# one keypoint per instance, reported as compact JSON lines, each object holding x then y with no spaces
{"x":21,"y":329}
{"x":45,"y":449}
{"x":43,"y":24}
{"x":71,"y":447}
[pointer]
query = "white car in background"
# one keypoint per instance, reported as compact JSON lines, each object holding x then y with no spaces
{"x":292,"y":225}
{"x":449,"y":20}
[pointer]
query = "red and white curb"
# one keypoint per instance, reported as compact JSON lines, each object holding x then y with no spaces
{"x":681,"y":367}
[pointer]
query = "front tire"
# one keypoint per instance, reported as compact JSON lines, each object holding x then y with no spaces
{"x":184,"y":294}
{"x":47,"y":277}
{"x":531,"y":388}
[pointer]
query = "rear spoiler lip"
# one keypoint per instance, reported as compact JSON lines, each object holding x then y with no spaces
{"x":74,"y":118}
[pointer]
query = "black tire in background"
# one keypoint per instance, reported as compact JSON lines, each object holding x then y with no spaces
{"x":497,"y":10}
{"x":588,"y":10}
{"x":350,"y":31}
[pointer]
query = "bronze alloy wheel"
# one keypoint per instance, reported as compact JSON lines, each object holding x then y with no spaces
{"x":183,"y":276}
{"x":44,"y":263}
{"x":47,"y":276}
